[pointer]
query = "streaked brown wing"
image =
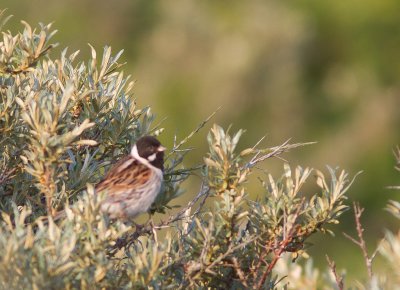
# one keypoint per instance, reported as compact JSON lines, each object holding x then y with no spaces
{"x":127,"y":173}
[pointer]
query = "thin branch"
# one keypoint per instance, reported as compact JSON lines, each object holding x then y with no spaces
{"x":274,"y":152}
{"x":258,"y":143}
{"x":198,"y":128}
{"x":204,"y":190}
{"x":6,"y":175}
{"x":282,"y":248}
{"x":238,"y":271}
{"x":230,"y":250}
{"x":339,"y":279}
{"x":361,"y":241}
{"x":205,"y":194}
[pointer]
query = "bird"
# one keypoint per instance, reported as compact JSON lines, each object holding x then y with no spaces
{"x":133,"y":183}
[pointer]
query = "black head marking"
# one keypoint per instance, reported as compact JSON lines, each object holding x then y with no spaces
{"x":151,"y":149}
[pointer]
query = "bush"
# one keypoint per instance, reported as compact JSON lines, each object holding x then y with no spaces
{"x":63,"y":123}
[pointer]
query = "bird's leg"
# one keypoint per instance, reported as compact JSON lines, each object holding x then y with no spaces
{"x":153,"y":230}
{"x":149,"y":220}
{"x":130,"y":222}
{"x":138,"y":227}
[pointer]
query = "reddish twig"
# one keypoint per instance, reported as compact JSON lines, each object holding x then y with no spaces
{"x":339,"y":279}
{"x":282,"y":248}
{"x":361,"y":241}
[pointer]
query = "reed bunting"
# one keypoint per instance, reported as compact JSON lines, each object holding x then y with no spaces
{"x":133,"y":183}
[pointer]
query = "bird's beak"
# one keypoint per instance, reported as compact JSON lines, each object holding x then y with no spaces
{"x":161,"y":149}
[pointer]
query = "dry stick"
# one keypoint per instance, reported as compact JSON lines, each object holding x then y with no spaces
{"x":274,"y":152}
{"x":361,"y":242}
{"x":201,"y":125}
{"x":204,"y":190}
{"x":339,"y":280}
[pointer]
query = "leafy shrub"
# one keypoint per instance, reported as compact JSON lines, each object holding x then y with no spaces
{"x":63,"y":123}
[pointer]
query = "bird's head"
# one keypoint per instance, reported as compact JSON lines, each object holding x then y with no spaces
{"x":150,"y":149}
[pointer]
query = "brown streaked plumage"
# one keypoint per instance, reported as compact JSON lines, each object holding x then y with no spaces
{"x":126,"y":172}
{"x":133,"y":183}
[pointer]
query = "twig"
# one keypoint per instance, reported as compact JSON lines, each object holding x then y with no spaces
{"x":238,"y":271}
{"x":201,"y":125}
{"x":204,"y":190}
{"x":205,"y":194}
{"x":339,"y":279}
{"x":361,"y":242}
{"x":6,"y":175}
{"x":229,"y":251}
{"x":274,"y":152}
{"x":282,"y":248}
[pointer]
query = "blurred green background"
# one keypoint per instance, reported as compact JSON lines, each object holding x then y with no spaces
{"x":325,"y":71}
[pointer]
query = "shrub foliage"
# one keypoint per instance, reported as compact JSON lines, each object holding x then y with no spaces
{"x":64,"y":122}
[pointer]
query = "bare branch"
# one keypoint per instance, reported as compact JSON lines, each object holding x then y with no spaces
{"x":274,"y":152}
{"x":198,"y":128}
{"x":239,"y":271}
{"x":361,"y":241}
{"x":339,"y":279}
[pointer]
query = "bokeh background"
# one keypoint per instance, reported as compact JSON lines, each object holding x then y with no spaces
{"x":325,"y":71}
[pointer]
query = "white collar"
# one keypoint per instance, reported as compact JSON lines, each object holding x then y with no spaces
{"x":135,"y":154}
